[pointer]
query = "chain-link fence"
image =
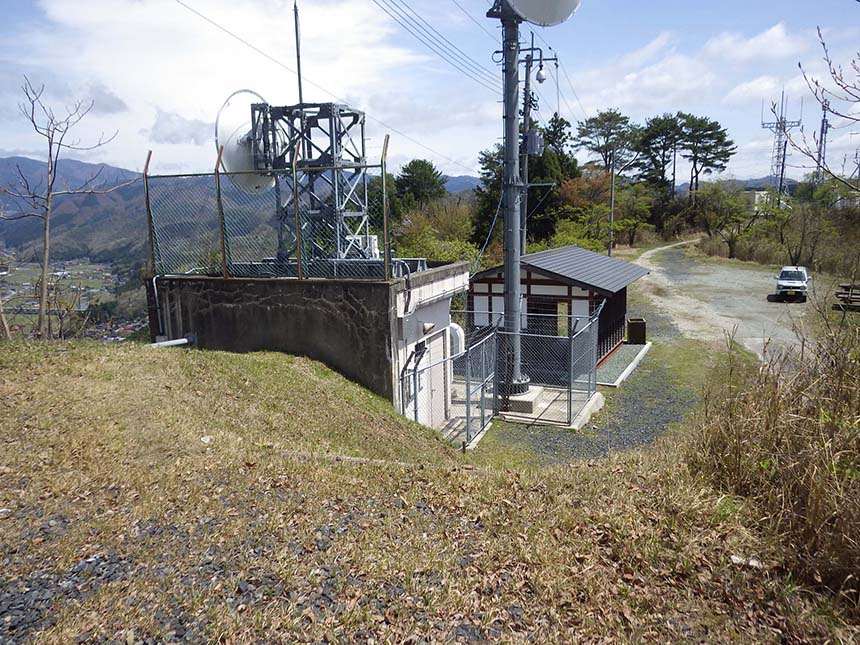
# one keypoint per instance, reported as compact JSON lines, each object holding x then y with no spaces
{"x":454,"y":395}
{"x":306,"y":223}
{"x":460,"y":395}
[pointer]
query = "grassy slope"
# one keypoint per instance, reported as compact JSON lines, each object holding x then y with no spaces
{"x":240,"y":539}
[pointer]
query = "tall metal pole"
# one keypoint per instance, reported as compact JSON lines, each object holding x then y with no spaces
{"x":524,"y":155}
{"x":512,"y":189}
{"x":298,"y":50}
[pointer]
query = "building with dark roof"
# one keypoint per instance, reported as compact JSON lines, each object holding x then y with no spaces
{"x":562,"y":282}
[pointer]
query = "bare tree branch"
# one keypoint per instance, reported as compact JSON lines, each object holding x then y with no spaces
{"x":55,"y":130}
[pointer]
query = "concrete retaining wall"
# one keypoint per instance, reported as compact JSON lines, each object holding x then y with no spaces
{"x":348,"y":325}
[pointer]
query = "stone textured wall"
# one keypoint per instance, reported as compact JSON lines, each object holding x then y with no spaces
{"x":348,"y":325}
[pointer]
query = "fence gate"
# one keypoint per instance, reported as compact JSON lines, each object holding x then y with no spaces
{"x":460,"y":395}
{"x":453,"y":395}
{"x":561,"y":370}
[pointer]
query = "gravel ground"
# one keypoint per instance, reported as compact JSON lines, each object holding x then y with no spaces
{"x":613,"y":367}
{"x":640,"y":411}
{"x":709,"y":299}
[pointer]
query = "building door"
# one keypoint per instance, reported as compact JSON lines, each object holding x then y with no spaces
{"x":433,"y":379}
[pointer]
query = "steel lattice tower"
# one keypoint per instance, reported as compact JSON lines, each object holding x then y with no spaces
{"x":780,"y":128}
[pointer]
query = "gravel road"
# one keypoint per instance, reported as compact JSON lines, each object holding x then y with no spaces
{"x":707,"y":300}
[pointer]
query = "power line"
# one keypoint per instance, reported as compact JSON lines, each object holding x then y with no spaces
{"x":573,"y":89}
{"x":318,"y":86}
{"x":492,"y":36}
{"x":428,"y":40}
{"x":566,"y":76}
{"x":474,"y":63}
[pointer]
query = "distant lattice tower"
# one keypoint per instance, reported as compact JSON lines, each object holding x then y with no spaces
{"x":780,"y":128}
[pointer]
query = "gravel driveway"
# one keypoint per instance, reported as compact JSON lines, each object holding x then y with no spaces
{"x":707,"y":300}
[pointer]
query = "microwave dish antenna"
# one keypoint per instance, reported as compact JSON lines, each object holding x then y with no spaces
{"x":544,"y":13}
{"x":235,"y":132}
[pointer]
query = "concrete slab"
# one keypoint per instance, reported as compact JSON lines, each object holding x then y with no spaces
{"x":620,"y":366}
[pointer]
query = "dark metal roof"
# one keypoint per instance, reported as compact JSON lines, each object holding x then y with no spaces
{"x":575,"y":265}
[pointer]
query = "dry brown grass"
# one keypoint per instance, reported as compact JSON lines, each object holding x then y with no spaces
{"x":787,"y":438}
{"x":240,"y":541}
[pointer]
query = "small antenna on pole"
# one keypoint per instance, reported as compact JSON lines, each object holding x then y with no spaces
{"x":298,"y":50}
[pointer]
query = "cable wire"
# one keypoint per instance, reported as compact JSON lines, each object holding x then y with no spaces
{"x":274,"y":60}
{"x":474,"y":63}
{"x":490,"y":234}
{"x":398,"y":16}
{"x":493,"y":36}
{"x":566,"y":76}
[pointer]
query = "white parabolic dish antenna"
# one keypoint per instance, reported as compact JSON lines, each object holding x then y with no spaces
{"x":233,"y":131}
{"x":546,"y":13}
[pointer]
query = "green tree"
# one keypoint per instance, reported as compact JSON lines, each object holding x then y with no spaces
{"x":633,"y":205}
{"x":706,"y":146}
{"x":559,"y":139}
{"x":608,"y":134}
{"x":488,"y":194}
{"x":726,"y":212}
{"x":374,"y":197}
{"x":440,"y":231}
{"x":657,"y":144}
{"x":420,"y":181}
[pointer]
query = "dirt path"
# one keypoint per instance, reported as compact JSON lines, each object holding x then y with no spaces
{"x":708,"y":300}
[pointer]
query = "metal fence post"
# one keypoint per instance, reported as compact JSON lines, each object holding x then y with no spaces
{"x":415,"y":392}
{"x":299,"y":270}
{"x":221,"y":226}
{"x":386,"y":245}
{"x":468,"y":395}
{"x":149,"y":213}
{"x":570,"y":375}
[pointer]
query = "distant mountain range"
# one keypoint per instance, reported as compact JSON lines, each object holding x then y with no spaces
{"x":460,"y":183}
{"x":109,"y":227}
{"x":112,"y":227}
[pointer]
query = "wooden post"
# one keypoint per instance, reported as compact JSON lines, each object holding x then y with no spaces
{"x":385,"y":246}
{"x":223,"y":235}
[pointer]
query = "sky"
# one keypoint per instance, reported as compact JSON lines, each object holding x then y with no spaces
{"x":158,"y":73}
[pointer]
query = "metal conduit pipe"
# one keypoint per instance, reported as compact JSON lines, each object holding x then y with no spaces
{"x":172,"y":343}
{"x":157,"y":306}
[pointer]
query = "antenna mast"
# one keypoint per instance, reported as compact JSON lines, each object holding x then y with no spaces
{"x":298,"y":50}
{"x":780,"y":128}
{"x":821,"y":160}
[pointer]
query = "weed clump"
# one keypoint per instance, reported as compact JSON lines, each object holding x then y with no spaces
{"x":787,"y":437}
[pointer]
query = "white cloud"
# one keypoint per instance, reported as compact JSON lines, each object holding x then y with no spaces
{"x":173,"y":128}
{"x":774,"y":44}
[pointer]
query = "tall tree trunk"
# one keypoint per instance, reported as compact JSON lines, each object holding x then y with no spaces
{"x":674,"y":168}
{"x":46,"y":257}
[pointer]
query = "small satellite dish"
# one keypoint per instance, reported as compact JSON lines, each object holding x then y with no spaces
{"x":546,"y":13}
{"x":233,"y":131}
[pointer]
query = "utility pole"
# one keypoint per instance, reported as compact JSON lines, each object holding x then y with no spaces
{"x":514,"y":382}
{"x":821,"y":160}
{"x":530,"y":144}
{"x":524,"y":154}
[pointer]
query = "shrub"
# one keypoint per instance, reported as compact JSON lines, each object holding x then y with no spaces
{"x":788,"y":438}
